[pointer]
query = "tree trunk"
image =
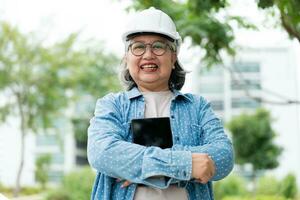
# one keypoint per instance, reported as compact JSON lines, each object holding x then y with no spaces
{"x":253,"y":177}
{"x":22,"y":158}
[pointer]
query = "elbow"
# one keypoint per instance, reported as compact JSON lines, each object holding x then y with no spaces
{"x":225,"y":165}
{"x":96,"y":155}
{"x":93,"y":156}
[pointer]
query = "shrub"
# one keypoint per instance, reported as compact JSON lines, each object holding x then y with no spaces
{"x":42,"y":164}
{"x":30,"y":190}
{"x":76,"y":185}
{"x":230,"y":186}
{"x":259,"y":197}
{"x":4,"y":189}
{"x":58,"y":195}
{"x":268,"y":185}
{"x":288,"y":186}
{"x":79,"y":184}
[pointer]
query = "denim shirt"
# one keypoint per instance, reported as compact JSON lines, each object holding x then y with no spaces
{"x":195,"y":129}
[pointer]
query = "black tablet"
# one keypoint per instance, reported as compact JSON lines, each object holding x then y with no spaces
{"x":152,"y":132}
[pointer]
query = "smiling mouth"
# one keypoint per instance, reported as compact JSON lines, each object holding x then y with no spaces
{"x":149,"y":67}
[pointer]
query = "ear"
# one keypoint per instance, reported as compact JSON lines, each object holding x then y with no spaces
{"x":124,"y":59}
{"x":173,"y":58}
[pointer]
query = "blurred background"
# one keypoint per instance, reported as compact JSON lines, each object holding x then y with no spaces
{"x":57,"y":57}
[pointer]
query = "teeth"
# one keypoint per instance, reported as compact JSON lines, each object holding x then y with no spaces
{"x":149,"y":66}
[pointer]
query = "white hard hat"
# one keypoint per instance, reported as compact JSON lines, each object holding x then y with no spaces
{"x":152,"y":21}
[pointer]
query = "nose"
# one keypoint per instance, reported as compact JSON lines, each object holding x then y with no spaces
{"x":148,"y":52}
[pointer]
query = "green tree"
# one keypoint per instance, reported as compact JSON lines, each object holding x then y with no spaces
{"x":40,"y":82}
{"x":42,"y":164}
{"x":289,"y":15}
{"x":253,"y":141}
{"x":206,"y":23}
{"x":199,"y":21}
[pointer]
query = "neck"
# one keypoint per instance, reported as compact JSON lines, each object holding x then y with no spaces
{"x":153,"y":89}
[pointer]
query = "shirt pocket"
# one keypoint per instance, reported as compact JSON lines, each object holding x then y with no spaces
{"x":196,"y":135}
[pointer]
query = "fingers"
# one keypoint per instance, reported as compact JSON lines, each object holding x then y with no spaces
{"x":203,"y":180}
{"x":203,"y":167}
{"x":125,"y":184}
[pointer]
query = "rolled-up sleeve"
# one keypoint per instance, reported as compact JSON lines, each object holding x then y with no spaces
{"x":110,"y":154}
{"x":215,"y":142}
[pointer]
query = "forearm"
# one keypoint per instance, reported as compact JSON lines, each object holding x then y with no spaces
{"x":220,"y":152}
{"x":136,"y":163}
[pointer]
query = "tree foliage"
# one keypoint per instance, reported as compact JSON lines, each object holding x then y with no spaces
{"x":40,"y":82}
{"x":253,"y":140}
{"x":289,"y":14}
{"x":199,"y":21}
{"x":210,"y":26}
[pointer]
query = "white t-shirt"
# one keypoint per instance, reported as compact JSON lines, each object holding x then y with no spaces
{"x":157,"y":104}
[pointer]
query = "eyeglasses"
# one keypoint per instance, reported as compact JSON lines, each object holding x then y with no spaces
{"x":158,"y":48}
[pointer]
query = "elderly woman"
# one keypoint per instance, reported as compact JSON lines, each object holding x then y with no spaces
{"x":201,"y":151}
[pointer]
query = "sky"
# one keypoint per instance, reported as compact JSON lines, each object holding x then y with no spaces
{"x":55,"y":19}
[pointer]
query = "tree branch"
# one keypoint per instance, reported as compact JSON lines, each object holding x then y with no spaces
{"x":291,"y":31}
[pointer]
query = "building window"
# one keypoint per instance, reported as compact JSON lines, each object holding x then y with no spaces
{"x":55,"y":176}
{"x":81,"y":160}
{"x":217,"y":105}
{"x":245,"y":84}
{"x":246,"y":67}
{"x":213,"y":71}
{"x":57,"y":158}
{"x":46,"y":140}
{"x":212,"y":88}
{"x":244,"y":103}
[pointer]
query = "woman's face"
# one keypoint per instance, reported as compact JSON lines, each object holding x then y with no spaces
{"x":149,"y":71}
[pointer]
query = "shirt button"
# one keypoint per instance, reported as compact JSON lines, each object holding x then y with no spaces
{"x":177,"y":138}
{"x":184,"y":173}
{"x":172,"y":116}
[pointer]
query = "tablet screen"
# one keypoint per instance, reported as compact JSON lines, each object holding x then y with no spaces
{"x":152,"y":132}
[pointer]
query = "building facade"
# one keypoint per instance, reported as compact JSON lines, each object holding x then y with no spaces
{"x":265,"y":77}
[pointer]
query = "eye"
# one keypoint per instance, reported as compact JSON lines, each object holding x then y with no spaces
{"x":138,"y":46}
{"x":158,"y":45}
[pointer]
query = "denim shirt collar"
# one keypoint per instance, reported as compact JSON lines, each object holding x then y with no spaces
{"x":134,"y":92}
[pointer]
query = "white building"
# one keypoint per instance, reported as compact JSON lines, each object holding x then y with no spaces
{"x":62,"y":151}
{"x":269,"y":73}
{"x":10,"y":151}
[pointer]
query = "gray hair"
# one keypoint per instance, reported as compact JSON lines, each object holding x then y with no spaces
{"x":176,"y":81}
{"x":177,"y":77}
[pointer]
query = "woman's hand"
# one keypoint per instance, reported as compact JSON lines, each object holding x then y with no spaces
{"x":203,"y":167}
{"x":125,"y":184}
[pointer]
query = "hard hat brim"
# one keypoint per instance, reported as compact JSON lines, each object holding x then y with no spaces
{"x":129,"y":34}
